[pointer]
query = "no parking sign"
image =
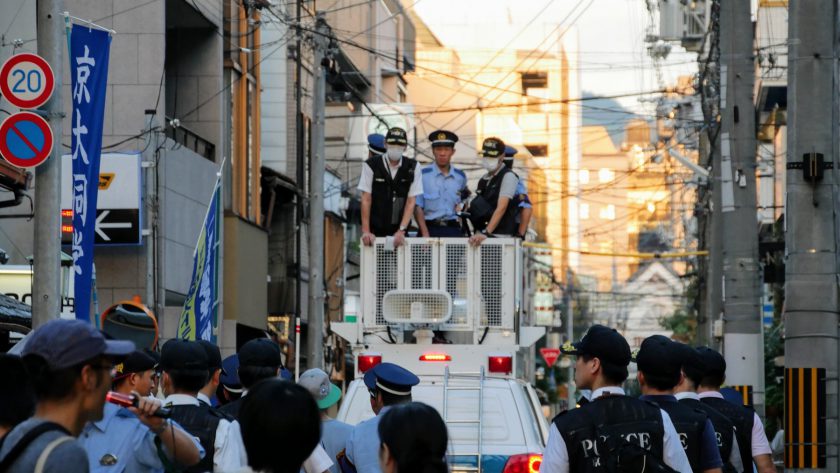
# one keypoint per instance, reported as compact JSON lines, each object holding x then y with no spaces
{"x":26,"y":139}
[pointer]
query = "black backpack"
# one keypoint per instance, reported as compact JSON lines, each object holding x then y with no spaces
{"x":24,"y":442}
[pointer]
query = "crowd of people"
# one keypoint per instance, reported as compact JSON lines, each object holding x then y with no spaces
{"x":186,"y":409}
{"x":395,"y":189}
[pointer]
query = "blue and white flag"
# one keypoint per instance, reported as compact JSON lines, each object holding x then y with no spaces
{"x":198,"y":319}
{"x":89,"y":51}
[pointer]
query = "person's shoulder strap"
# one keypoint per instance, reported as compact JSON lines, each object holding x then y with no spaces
{"x":27,"y":439}
{"x":42,"y":459}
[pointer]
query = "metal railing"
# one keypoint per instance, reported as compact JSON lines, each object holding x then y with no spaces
{"x":191,"y":140}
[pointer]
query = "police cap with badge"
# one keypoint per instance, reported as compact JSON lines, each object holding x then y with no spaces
{"x":603,"y":343}
{"x":376,"y":143}
{"x":492,"y":148}
{"x":396,"y":136}
{"x":443,"y":138}
{"x":137,"y":361}
{"x":390,"y":378}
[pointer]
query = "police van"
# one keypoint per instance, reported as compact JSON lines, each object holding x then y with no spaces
{"x":450,"y":313}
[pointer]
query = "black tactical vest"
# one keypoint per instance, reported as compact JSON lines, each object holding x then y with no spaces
{"x":586,"y":430}
{"x":690,"y":424}
{"x":388,"y":195}
{"x":200,"y":421}
{"x":488,"y":191}
{"x":724,"y":430}
{"x":743,"y":418}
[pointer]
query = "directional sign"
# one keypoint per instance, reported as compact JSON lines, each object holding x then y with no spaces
{"x":113,"y":227}
{"x":26,"y":80}
{"x":26,"y":139}
{"x":550,"y":355}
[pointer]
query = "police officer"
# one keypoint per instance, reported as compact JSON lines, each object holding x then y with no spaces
{"x":444,"y":187}
{"x":334,"y":433}
{"x":389,"y":385}
{"x":389,"y":186}
{"x":752,"y":440}
{"x":230,"y":388}
{"x":589,"y":438}
{"x":524,"y":202}
{"x":491,"y":211}
{"x":686,"y":393}
{"x":124,"y":441}
{"x":214,"y":372}
{"x":660,"y":370}
{"x":184,"y":366}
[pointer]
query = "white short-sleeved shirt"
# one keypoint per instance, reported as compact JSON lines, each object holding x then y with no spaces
{"x":556,"y":455}
{"x":366,"y":179}
{"x":760,"y":444}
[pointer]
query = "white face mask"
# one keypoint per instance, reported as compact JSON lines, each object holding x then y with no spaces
{"x":395,"y":152}
{"x":490,"y":164}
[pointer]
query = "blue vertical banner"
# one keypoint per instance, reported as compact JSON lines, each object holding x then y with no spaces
{"x":89,"y":51}
{"x":198,"y":318}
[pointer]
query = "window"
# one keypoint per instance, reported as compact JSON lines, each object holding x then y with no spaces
{"x":606,"y":175}
{"x":607,"y":212}
{"x":584,"y":211}
{"x":583,"y":176}
{"x":538,"y":151}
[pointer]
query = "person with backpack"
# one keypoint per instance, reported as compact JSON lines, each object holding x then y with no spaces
{"x":660,"y":370}
{"x":686,"y":392}
{"x":752,"y":440}
{"x":69,"y":364}
{"x":613,"y":432}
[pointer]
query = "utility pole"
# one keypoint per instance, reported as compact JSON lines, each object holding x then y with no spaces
{"x":743,"y":340}
{"x":46,"y":287}
{"x":570,"y":335}
{"x":811,"y":295}
{"x":315,"y":337}
{"x":150,"y":199}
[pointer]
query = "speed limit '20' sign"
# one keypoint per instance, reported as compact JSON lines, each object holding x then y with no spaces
{"x":26,"y":80}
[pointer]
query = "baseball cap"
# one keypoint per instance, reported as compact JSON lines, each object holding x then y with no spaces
{"x":692,"y":364}
{"x":396,"y":136}
{"x":601,"y":342}
{"x":658,"y":356}
{"x":715,"y":364}
{"x":317,"y":382}
{"x":260,"y":352}
{"x":183,"y":355}
{"x":492,"y":148}
{"x":64,"y":343}
{"x":137,"y":361}
{"x":214,"y":355}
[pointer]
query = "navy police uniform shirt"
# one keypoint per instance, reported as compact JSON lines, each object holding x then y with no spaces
{"x":441,"y":192}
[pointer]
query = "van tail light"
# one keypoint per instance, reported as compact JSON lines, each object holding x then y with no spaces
{"x":527,"y":463}
{"x":500,"y":364}
{"x":435,"y":357}
{"x":368,"y":361}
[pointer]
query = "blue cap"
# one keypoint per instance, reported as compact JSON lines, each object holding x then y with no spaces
{"x":510,"y":151}
{"x":230,"y":374}
{"x":64,"y":343}
{"x":376,"y":143}
{"x":391,"y":378}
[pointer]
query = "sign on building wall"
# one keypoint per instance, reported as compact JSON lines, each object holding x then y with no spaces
{"x":118,"y":216}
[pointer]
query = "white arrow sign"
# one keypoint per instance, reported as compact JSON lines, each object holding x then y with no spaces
{"x":100,"y":225}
